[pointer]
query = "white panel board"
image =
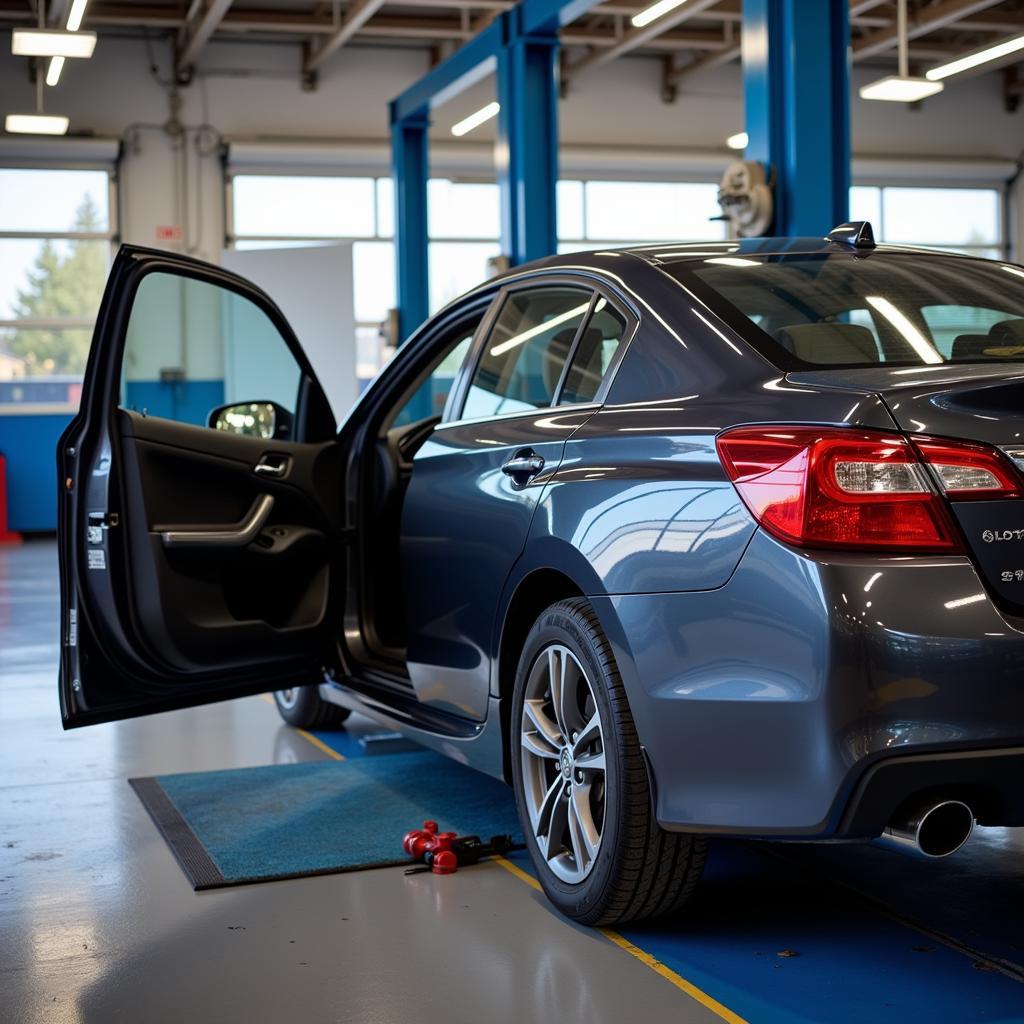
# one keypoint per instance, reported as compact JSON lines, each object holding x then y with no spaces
{"x":313,"y":287}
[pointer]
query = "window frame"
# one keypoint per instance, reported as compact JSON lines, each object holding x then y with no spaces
{"x":111,"y":236}
{"x":534,"y":280}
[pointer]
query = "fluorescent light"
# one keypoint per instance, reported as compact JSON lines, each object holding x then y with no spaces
{"x":972,"y":60}
{"x":961,"y":601}
{"x":36,"y":124}
{"x":738,"y":141}
{"x":76,"y":14}
{"x":914,"y":338}
{"x":54,"y":70}
{"x":47,"y":42}
{"x":520,"y":339}
{"x":900,"y":89}
{"x":467,"y":124}
{"x":733,"y":261}
{"x":655,"y":11}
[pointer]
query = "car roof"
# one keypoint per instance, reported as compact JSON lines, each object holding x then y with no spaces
{"x":668,"y":253}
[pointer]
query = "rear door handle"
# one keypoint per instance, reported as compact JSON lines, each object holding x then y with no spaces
{"x":523,"y":467}
{"x":237,"y":535}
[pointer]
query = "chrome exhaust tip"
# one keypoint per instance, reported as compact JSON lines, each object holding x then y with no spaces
{"x":930,"y":829}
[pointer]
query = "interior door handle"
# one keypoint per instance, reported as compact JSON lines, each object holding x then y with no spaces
{"x":272,"y":465}
{"x":238,"y":535}
{"x":523,"y":466}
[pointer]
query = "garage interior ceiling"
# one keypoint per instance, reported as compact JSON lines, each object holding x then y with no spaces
{"x":698,"y":35}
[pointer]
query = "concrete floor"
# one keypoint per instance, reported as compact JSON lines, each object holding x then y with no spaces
{"x":97,"y":921}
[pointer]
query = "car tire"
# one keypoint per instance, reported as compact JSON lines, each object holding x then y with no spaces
{"x":636,"y":870}
{"x":303,"y":708}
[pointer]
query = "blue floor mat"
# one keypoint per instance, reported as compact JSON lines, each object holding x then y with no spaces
{"x":319,"y":817}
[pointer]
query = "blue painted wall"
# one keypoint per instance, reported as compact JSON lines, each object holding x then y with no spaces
{"x":188,"y":401}
{"x":29,"y":441}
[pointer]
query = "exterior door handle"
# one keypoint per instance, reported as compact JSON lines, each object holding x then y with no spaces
{"x":237,"y":535}
{"x":523,"y":467}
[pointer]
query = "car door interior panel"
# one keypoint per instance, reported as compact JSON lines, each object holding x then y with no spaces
{"x":228,"y":563}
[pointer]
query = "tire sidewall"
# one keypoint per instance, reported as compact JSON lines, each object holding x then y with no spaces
{"x":560,"y":625}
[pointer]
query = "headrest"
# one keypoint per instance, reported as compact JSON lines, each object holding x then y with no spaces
{"x":829,"y":343}
{"x":1007,"y":332}
{"x":969,"y":346}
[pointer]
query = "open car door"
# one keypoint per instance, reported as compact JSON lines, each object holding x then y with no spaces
{"x":200,"y":509}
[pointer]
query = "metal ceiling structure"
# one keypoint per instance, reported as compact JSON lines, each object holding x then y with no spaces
{"x":696,"y":36}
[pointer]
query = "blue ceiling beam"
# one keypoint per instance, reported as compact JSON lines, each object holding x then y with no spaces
{"x":521,"y":47}
{"x":469,"y":64}
{"x":796,"y":85}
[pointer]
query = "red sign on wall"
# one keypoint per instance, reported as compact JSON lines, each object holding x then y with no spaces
{"x":168,"y":233}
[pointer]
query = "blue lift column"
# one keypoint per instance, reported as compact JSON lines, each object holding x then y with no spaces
{"x":526,"y":154}
{"x":411,"y":169}
{"x":796,"y":86}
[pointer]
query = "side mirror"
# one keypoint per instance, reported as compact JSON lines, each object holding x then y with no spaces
{"x":265,"y":420}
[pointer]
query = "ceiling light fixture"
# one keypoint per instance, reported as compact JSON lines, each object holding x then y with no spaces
{"x":54,"y":70}
{"x":467,"y":124}
{"x":904,"y":87}
{"x":738,"y":141}
{"x":973,"y":60}
{"x":76,"y":14}
{"x":36,"y":124}
{"x":654,"y":12}
{"x":47,"y":42}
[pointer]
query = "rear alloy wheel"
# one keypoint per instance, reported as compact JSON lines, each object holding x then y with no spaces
{"x":303,"y":708}
{"x":581,"y":783}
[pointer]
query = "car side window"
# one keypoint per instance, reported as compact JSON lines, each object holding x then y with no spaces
{"x":594,"y":353}
{"x":431,"y":395}
{"x":525,"y":352}
{"x":198,"y":353}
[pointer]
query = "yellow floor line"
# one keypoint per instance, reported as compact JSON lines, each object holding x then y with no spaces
{"x":319,"y":744}
{"x":645,"y":958}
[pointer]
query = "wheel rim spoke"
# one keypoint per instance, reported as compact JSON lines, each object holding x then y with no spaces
{"x":588,"y":735}
{"x":556,"y":681}
{"x":590,"y":762}
{"x":538,"y":745}
{"x":551,"y":821}
{"x":586,"y":837}
{"x":544,"y":729}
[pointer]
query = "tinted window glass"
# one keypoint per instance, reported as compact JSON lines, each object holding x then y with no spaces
{"x":430,"y":398}
{"x":526,"y":350}
{"x":947,"y":323}
{"x":597,"y":347}
{"x":840,"y":309}
{"x":192,"y":346}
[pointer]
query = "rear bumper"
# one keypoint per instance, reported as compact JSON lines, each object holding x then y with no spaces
{"x":812,"y":694}
{"x":988,"y":781}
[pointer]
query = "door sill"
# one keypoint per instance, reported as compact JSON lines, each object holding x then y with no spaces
{"x":381,"y":700}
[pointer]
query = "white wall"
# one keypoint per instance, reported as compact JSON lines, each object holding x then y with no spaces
{"x":250,"y":90}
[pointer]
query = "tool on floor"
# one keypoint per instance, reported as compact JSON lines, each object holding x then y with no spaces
{"x":443,"y":853}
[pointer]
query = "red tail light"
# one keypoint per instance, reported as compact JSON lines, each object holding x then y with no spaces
{"x":835,"y":488}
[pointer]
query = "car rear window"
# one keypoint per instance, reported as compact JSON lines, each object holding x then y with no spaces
{"x":842,"y":309}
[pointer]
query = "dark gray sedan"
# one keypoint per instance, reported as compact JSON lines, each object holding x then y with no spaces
{"x":685,"y":540}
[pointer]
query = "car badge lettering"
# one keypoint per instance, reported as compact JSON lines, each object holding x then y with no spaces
{"x":994,"y":536}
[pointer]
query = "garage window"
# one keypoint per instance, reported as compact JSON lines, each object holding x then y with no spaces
{"x":965,"y":220}
{"x":56,"y":233}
